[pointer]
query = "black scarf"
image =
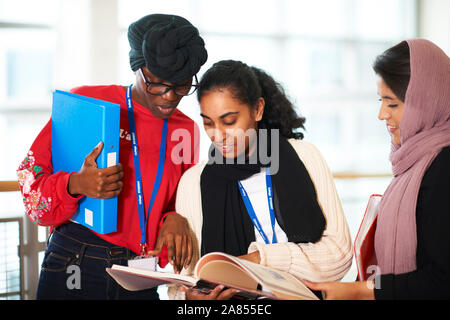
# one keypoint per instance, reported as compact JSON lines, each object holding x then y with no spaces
{"x":226,"y":224}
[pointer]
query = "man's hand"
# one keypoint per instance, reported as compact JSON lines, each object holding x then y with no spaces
{"x":176,"y":236}
{"x":96,"y":183}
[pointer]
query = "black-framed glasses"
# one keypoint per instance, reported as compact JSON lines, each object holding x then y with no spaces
{"x":158,"y":89}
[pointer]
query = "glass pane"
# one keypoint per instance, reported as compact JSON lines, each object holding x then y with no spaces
{"x":314,"y":66}
{"x":261,"y":52}
{"x":366,"y":54}
{"x":237,"y":16}
{"x":24,"y":127}
{"x":372,"y":139}
{"x":26,"y":66}
{"x":381,"y":19}
{"x":126,"y":75}
{"x":322,"y":126}
{"x":327,"y":18}
{"x":130,"y":11}
{"x":325,"y":61}
{"x":25,"y":11}
{"x":27,"y":79}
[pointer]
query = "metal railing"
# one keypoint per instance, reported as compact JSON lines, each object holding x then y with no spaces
{"x":28,"y":248}
{"x":9,"y":273}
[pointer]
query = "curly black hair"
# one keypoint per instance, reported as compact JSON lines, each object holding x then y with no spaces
{"x":248,"y":84}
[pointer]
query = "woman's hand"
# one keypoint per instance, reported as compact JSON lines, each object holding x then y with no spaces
{"x":359,"y":290}
{"x":93,"y":182}
{"x":216,"y":294}
{"x":175,"y":234}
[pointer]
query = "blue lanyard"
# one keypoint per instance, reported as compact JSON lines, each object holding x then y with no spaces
{"x":251,"y":211}
{"x":143,"y":219}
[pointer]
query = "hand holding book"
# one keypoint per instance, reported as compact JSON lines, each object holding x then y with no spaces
{"x":220,"y":292}
{"x":251,"y":280}
{"x":174,"y":234}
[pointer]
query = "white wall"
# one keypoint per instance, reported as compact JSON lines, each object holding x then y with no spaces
{"x":434,"y":22}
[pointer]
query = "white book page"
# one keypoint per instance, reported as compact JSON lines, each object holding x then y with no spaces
{"x":139,"y":279}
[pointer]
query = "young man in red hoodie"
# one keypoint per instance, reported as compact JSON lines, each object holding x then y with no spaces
{"x":166,"y":53}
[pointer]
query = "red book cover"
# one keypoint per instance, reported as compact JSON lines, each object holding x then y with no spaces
{"x":364,"y":241}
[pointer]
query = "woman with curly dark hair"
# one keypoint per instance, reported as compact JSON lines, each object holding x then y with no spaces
{"x":264,"y":195}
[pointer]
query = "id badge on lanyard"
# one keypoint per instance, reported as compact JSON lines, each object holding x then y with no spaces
{"x":150,"y":262}
{"x":251,"y":211}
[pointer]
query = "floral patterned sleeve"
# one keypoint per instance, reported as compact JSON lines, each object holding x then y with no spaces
{"x":45,"y":196}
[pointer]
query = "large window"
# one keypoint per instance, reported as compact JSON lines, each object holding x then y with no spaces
{"x":321,"y":52}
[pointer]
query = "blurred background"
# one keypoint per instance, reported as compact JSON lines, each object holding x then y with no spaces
{"x":321,"y":52}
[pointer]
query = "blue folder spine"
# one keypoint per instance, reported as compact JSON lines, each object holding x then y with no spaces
{"x":104,"y":218}
{"x":110,"y":158}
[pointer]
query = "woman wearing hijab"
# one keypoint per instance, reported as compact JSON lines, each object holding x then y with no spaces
{"x":299,"y":227}
{"x":412,"y":245}
{"x":166,"y":53}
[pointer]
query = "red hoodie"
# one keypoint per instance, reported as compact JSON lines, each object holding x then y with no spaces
{"x":45,"y":195}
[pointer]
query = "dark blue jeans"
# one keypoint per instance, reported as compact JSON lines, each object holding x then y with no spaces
{"x":74,"y":267}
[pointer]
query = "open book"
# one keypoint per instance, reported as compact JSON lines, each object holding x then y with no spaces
{"x":364,"y":241}
{"x":215,"y":268}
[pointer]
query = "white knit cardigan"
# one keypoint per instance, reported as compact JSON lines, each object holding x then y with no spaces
{"x":329,"y":259}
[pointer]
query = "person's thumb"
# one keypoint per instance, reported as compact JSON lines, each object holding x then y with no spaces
{"x":313,"y":285}
{"x":92,"y":156}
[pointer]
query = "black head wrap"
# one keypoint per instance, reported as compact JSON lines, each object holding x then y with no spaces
{"x":168,"y":45}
